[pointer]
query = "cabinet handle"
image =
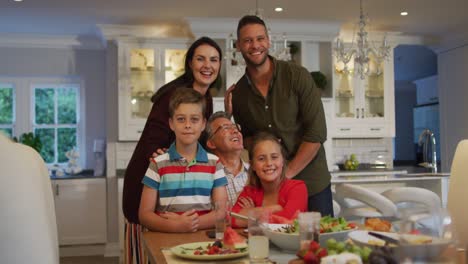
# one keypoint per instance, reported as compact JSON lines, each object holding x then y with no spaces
{"x":357,"y":112}
{"x":345,"y":129}
{"x":362,"y":112}
{"x":375,"y":129}
{"x":433,"y":98}
{"x":139,"y":131}
{"x":57,"y":190}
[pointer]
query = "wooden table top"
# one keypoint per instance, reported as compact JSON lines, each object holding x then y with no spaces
{"x":154,"y":241}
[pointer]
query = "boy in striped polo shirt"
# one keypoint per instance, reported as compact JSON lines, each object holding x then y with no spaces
{"x":180,"y":185}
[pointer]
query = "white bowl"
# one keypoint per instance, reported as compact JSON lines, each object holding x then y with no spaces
{"x":290,"y":241}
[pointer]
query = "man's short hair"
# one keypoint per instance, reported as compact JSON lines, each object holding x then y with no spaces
{"x":213,"y":117}
{"x":248,"y":20}
{"x":186,"y":96}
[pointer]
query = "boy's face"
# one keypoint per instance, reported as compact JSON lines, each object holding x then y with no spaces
{"x":187,"y":123}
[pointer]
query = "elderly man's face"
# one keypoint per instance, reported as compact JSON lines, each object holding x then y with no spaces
{"x":226,"y":135}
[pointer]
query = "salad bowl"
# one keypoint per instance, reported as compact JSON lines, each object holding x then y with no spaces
{"x":286,"y":237}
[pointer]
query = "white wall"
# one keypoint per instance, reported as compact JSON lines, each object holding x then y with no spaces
{"x":54,"y":62}
{"x":453,"y":96}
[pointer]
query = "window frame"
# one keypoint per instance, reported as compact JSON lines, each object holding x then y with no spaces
{"x":24,"y":106}
{"x":12,"y":86}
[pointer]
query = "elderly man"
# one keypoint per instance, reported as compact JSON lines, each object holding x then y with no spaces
{"x":225,"y":141}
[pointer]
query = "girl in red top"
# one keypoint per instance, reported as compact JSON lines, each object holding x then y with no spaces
{"x":267,"y":187}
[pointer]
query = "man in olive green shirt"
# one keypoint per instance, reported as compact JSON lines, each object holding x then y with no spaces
{"x":281,"y":97}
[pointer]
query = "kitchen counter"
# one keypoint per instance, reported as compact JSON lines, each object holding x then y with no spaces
{"x":85,"y":174}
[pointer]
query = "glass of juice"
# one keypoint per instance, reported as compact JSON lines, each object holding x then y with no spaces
{"x":258,"y":241}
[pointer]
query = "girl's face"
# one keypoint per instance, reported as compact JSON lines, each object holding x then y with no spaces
{"x":268,"y":161}
{"x":205,"y":66}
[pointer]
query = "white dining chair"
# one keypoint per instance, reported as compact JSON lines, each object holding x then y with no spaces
{"x":418,"y":204}
{"x":458,"y":193}
{"x":28,"y":229}
{"x":359,"y":202}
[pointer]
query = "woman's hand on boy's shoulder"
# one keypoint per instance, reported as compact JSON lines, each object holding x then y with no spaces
{"x":158,"y":152}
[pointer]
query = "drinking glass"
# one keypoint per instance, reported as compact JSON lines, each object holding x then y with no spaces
{"x":222,"y":218}
{"x":427,"y":236}
{"x":309,"y":228}
{"x":258,"y":241}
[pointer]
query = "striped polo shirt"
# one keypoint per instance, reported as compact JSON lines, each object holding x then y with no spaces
{"x":181,"y":185}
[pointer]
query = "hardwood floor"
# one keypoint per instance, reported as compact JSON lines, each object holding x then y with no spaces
{"x":89,"y":260}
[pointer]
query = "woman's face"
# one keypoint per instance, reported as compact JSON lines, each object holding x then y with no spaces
{"x":205,"y":66}
{"x":268,"y":162}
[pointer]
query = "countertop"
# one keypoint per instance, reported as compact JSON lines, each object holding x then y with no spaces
{"x":85,"y":174}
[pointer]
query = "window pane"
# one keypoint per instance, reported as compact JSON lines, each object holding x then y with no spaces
{"x":66,"y":100}
{"x":7,"y":131}
{"x":6,"y":105}
{"x":47,"y":137}
{"x":66,"y":141}
{"x":44,"y":106}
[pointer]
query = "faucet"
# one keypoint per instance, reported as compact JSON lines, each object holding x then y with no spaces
{"x":426,"y":137}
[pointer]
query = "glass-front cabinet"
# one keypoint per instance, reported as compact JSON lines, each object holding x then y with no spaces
{"x":144,"y":68}
{"x":364,"y":107}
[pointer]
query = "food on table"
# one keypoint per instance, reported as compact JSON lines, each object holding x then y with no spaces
{"x":417,"y":239}
{"x":233,"y":240}
{"x":343,"y":258}
{"x":383,"y":254}
{"x":328,"y":224}
{"x":312,"y":254}
{"x":211,"y":249}
{"x":335,"y":248}
{"x":377,"y":224}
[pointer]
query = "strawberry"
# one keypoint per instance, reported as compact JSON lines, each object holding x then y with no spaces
{"x":322,"y":252}
{"x":311,"y":258}
{"x":314,"y":246}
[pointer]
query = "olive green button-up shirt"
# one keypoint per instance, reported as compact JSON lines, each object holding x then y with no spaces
{"x":292,"y":110}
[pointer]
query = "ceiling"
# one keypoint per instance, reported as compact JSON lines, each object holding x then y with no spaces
{"x":434,"y":19}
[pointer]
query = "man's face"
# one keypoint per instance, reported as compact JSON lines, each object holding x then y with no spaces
{"x":225,"y":136}
{"x":187,"y":123}
{"x":253,"y":43}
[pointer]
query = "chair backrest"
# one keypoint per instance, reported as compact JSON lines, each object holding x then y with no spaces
{"x":28,"y":229}
{"x":421,"y":196}
{"x":367,"y":196}
{"x":458,"y":192}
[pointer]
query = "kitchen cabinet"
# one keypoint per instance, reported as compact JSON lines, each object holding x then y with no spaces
{"x":80,"y":208}
{"x":143,"y":67}
{"x":364,"y":107}
{"x":426,"y":90}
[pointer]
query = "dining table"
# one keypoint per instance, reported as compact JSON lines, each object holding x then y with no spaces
{"x":158,"y":244}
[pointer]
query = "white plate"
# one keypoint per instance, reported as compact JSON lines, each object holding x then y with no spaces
{"x":419,"y":251}
{"x":187,"y":248}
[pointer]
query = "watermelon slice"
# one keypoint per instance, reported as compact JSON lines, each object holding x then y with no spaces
{"x":233,"y":240}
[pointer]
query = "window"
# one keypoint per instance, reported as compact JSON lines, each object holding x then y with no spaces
{"x":56,"y":119}
{"x":50,"y":108}
{"x":7,"y":109}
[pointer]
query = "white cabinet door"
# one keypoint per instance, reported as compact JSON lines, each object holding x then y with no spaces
{"x":364,"y":107}
{"x":121,"y":218}
{"x":80,"y":207}
{"x":143,"y":67}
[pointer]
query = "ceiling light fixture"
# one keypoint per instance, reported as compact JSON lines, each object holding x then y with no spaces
{"x":404,"y":13}
{"x":18,"y":0}
{"x":364,"y":48}
{"x":278,"y":9}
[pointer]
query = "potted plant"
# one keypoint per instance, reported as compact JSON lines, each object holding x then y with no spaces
{"x":31,"y":140}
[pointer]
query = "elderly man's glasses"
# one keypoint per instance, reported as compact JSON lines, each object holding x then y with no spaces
{"x":226,"y":128}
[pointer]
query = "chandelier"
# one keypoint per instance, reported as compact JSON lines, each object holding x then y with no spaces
{"x":363,"y":50}
{"x":278,"y":46}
